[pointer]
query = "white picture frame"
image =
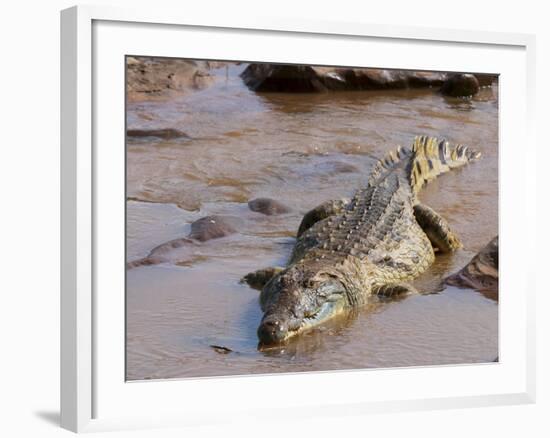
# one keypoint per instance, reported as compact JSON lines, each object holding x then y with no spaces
{"x":93,"y":395}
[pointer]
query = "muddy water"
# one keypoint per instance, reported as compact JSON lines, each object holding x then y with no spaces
{"x":300,"y":150}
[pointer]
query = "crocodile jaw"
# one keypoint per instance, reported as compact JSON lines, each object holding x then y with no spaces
{"x":278,"y":331}
{"x":328,"y":310}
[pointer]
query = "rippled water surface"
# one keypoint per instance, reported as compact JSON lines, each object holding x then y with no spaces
{"x":300,"y":149}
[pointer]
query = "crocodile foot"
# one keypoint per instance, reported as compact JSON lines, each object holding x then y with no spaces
{"x":258,"y":279}
{"x":436,"y":228}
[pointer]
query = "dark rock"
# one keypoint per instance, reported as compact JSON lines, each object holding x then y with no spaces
{"x":481,"y":273}
{"x":221,"y":349}
{"x":460,"y":85}
{"x":165,"y":134}
{"x":296,"y":78}
{"x":214,"y":227}
{"x":268,"y":206}
{"x":282,"y":78}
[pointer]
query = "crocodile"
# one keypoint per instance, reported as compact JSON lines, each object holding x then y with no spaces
{"x":351,"y":251}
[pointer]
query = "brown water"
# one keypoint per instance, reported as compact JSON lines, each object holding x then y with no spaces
{"x":300,"y":149}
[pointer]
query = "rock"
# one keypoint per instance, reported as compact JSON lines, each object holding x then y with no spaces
{"x":481,"y":273}
{"x":158,"y":254}
{"x":282,"y":78}
{"x":268,"y":206}
{"x":380,"y":79}
{"x":303,"y":79}
{"x":214,"y":227}
{"x":165,"y":134}
{"x":486,"y":80}
{"x":221,"y":349}
{"x":217,"y":64}
{"x":164,"y":248}
{"x":460,"y":85}
{"x":153,"y":78}
{"x":202,"y":230}
{"x":132,"y":60}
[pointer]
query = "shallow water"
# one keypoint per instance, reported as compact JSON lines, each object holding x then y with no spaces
{"x":300,"y":149}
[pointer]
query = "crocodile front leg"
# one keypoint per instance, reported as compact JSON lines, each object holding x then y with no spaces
{"x":436,"y":228}
{"x":326,"y":209}
{"x":258,"y":279}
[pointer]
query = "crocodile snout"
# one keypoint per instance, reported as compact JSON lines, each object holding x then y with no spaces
{"x":272,"y":331}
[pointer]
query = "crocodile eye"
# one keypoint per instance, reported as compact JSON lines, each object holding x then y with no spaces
{"x":310,"y":283}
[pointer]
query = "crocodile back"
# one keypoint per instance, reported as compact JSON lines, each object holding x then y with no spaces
{"x":377,"y":234}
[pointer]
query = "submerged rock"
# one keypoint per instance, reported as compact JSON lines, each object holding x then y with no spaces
{"x":202,"y":230}
{"x":150,"y":260}
{"x":304,"y":79}
{"x":481,"y":273}
{"x":158,"y":254}
{"x":335,"y":167}
{"x":165,"y":134}
{"x":268,"y":206}
{"x":460,"y":85}
{"x":214,"y":227}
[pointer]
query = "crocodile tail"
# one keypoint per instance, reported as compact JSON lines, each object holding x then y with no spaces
{"x":432,"y":157}
{"x":392,"y":160}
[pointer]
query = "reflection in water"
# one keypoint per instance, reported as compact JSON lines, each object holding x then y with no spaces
{"x":316,"y":339}
{"x":301,"y":150}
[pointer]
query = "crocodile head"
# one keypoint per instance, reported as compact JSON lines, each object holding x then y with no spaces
{"x":297,"y":300}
